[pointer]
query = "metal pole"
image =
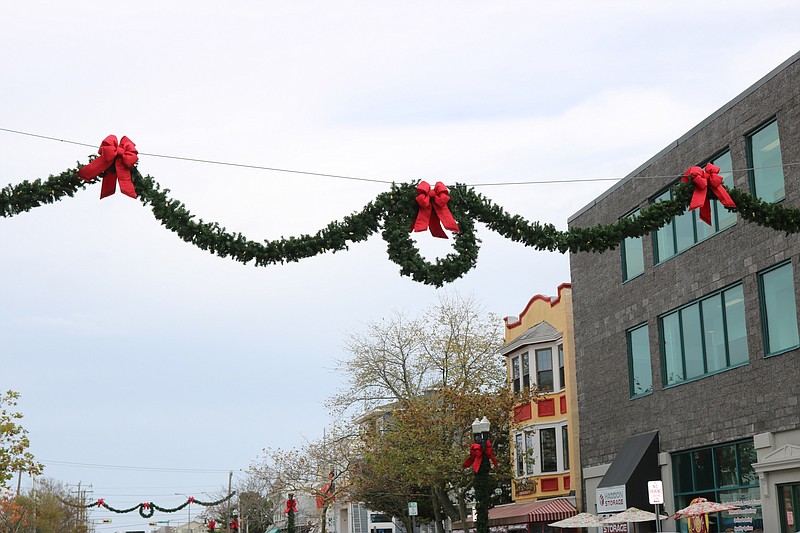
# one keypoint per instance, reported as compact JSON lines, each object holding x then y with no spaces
{"x":658,"y":520}
{"x":189,"y":517}
{"x":228,"y":521}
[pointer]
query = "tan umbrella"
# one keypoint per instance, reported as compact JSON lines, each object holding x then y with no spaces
{"x":632,"y":514}
{"x":701,"y":506}
{"x":579,"y":520}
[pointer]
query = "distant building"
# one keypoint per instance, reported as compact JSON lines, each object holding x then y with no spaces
{"x":540,"y":350}
{"x":688,"y":359}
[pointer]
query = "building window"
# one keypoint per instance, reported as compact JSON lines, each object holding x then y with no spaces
{"x":704,"y":337}
{"x":778,"y":309}
{"x":687,"y":229}
{"x":549,"y":454}
{"x":526,"y":371}
{"x":561,"y":381}
{"x":632,"y":254}
{"x":722,"y":473}
{"x":640,"y":373}
{"x":789,"y":501}
{"x":515,"y":373}
{"x":544,"y":369}
{"x":766,"y":163}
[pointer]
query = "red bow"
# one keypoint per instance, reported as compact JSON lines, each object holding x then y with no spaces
{"x":191,"y":499}
{"x":704,"y":180}
{"x":291,"y":505}
{"x":433,"y":209}
{"x":116,"y":161}
{"x":101,"y":502}
{"x":476,"y":456}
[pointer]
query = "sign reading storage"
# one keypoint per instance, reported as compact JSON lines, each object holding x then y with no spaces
{"x":610,"y":499}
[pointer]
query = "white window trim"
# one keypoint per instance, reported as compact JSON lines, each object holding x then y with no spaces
{"x":537,"y":466}
{"x":531,"y":349}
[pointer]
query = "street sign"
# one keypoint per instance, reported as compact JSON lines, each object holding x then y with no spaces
{"x":412,"y":508}
{"x":655,"y":491}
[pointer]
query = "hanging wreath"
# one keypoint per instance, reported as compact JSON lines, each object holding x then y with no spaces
{"x":394,"y":213}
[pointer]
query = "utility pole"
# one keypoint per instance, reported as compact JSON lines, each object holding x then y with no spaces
{"x":228,"y":521}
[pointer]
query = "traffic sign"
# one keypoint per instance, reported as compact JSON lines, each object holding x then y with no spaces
{"x":412,"y":508}
{"x":655,"y":491}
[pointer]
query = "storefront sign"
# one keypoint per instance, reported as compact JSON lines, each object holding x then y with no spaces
{"x":615,"y":528}
{"x":610,"y":499}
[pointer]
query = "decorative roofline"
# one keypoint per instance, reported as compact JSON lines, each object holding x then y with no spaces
{"x":552,"y":301}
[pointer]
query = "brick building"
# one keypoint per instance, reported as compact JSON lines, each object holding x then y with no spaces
{"x":687,"y":357}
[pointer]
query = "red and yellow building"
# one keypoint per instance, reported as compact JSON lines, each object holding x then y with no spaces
{"x":540,"y":350}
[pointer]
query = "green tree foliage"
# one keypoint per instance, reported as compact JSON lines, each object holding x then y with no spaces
{"x":14,"y":443}
{"x":416,"y":385}
{"x":48,"y":513}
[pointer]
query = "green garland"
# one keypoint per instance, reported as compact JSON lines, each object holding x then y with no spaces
{"x":146,"y":509}
{"x":395,"y":211}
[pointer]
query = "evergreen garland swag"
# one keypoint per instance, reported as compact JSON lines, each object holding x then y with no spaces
{"x":146,"y":509}
{"x":396,"y":210}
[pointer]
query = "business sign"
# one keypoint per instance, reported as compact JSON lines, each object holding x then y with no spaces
{"x":615,"y":528}
{"x":610,"y":499}
{"x":655,"y":492}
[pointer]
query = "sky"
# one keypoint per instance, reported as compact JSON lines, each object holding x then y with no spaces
{"x":148,"y":367}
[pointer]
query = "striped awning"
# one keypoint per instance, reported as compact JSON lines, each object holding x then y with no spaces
{"x":552,"y":510}
{"x":527,"y":512}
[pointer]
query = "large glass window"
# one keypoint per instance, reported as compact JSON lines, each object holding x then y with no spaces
{"x":515,"y":373}
{"x":704,"y":337}
{"x":687,"y":229}
{"x":766,"y":163}
{"x":548,"y":452}
{"x":632,"y":255}
{"x":639,"y":369}
{"x":561,"y":381}
{"x":544,"y":369}
{"x":722,"y":473}
{"x":526,"y":371}
{"x":778,"y":309}
{"x":565,"y":446}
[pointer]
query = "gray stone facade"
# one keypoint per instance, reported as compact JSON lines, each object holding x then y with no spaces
{"x":759,"y":397}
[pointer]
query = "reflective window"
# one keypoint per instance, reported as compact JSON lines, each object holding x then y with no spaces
{"x":778,"y":309}
{"x":548,"y":453}
{"x":766,"y":163}
{"x":632,"y":255}
{"x":687,"y":229}
{"x":561,"y":382}
{"x":639,"y":369}
{"x":565,"y":446}
{"x":515,"y":373}
{"x":526,"y":371}
{"x":544,"y":369}
{"x":704,"y":337}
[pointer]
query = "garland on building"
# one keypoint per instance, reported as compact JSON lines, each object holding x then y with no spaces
{"x":146,"y":509}
{"x":394,"y":214}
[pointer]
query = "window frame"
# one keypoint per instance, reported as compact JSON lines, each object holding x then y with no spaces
{"x":624,"y":251}
{"x":763,"y":309}
{"x":533,"y":450}
{"x":631,"y":375}
{"x":694,"y":215}
{"x":751,"y":170}
{"x":678,"y":311}
{"x":550,"y":370}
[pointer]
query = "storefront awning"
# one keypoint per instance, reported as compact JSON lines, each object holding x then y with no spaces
{"x":528,"y":512}
{"x":636,"y":463}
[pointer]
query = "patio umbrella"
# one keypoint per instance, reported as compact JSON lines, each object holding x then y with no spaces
{"x":632,"y":514}
{"x":701,"y":506}
{"x":579,"y":520}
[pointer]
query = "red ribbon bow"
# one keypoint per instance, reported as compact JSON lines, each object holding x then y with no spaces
{"x":101,"y":502}
{"x":703,"y":180}
{"x":476,"y":456}
{"x":191,"y":499}
{"x":116,"y":160}
{"x":145,"y":505}
{"x":291,"y":505}
{"x":433,"y":210}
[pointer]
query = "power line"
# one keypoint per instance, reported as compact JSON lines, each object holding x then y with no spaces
{"x":371,"y":180}
{"x":141,"y":468}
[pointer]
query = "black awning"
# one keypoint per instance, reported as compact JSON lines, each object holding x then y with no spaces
{"x":636,"y":464}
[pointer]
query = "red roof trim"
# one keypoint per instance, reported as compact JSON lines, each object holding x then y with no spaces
{"x":552,"y":302}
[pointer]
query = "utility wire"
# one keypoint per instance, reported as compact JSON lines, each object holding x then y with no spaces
{"x":371,"y":180}
{"x":142,"y":468}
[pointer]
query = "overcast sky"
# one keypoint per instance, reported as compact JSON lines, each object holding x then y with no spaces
{"x":132,"y":348}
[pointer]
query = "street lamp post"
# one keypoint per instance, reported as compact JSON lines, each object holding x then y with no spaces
{"x":188,"y":511}
{"x":480,"y":432}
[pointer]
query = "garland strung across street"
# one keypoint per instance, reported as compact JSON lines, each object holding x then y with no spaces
{"x":146,"y":509}
{"x":395,"y":213}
